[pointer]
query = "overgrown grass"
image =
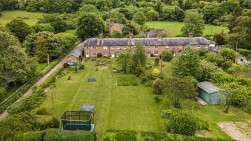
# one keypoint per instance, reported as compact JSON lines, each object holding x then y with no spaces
{"x":116,"y":107}
{"x":175,"y":27}
{"x":29,"y":17}
{"x":128,"y":80}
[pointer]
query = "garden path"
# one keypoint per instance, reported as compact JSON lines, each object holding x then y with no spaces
{"x":231,"y":129}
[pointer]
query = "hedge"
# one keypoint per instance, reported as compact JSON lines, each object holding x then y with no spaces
{"x":25,"y":122}
{"x":126,"y":135}
{"x":55,"y":135}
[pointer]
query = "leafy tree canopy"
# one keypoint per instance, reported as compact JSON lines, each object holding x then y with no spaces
{"x":19,"y":28}
{"x":15,"y":66}
{"x":89,"y":25}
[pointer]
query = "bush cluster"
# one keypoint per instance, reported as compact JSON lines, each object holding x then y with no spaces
{"x":55,"y":135}
{"x":25,"y":122}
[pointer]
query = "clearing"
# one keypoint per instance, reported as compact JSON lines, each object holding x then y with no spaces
{"x":174,"y":28}
{"x":29,"y":17}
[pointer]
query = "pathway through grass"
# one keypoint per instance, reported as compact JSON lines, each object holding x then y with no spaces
{"x":116,"y":107}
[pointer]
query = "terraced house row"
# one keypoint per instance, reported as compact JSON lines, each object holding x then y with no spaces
{"x":111,"y":47}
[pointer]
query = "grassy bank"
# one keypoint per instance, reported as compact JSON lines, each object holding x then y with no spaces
{"x":175,"y":27}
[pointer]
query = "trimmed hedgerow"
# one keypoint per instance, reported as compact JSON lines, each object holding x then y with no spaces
{"x":68,"y":135}
{"x":55,"y":135}
{"x":126,"y":135}
{"x":25,"y":122}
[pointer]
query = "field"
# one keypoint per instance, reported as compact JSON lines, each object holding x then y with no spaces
{"x":29,"y":17}
{"x":127,"y":107}
{"x":174,"y":28}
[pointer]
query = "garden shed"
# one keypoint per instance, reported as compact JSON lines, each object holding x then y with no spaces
{"x":210,"y":93}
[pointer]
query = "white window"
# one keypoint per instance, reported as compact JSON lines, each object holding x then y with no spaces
{"x":156,"y":52}
{"x":148,"y":47}
{"x":94,"y":54}
{"x":117,"y":47}
{"x":105,"y":54}
{"x":156,"y":46}
{"x":125,"y":47}
{"x":112,"y":47}
{"x":94,"y":47}
{"x":198,"y":46}
{"x":166,"y":46}
{"x":105,"y":47}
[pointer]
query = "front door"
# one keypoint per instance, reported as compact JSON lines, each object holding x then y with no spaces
{"x":87,"y":54}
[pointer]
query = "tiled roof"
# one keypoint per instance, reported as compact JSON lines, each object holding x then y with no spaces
{"x":147,"y":41}
{"x":111,"y":24}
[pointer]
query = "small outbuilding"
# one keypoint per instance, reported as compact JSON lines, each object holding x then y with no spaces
{"x":210,"y":93}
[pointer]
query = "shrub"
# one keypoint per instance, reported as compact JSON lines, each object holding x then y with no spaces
{"x":29,"y":136}
{"x":166,"y":113}
{"x":42,"y":111}
{"x":68,"y":135}
{"x":182,"y":123}
{"x":143,"y":79}
{"x":55,"y":135}
{"x":167,"y":56}
{"x":45,"y":121}
{"x":16,"y":123}
{"x":158,"y":86}
{"x":82,"y":67}
{"x":99,"y":55}
{"x":26,"y":104}
{"x":155,"y":73}
{"x":156,"y":61}
{"x":139,"y":71}
{"x":157,"y":99}
{"x":226,"y":65}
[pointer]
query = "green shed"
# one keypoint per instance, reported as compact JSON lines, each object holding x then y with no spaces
{"x":210,"y":93}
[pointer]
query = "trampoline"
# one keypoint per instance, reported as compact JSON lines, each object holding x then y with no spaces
{"x":77,"y":120}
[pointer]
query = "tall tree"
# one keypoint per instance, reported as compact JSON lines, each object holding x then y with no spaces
{"x":193,"y":23}
{"x":139,"y":57}
{"x":43,"y":44}
{"x":56,"y":21}
{"x":187,"y":64}
{"x":241,"y":31}
{"x":89,"y":25}
{"x":124,"y":61}
{"x":139,"y":18}
{"x":15,"y":66}
{"x":19,"y":28}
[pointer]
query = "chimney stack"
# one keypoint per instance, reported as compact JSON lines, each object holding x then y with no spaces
{"x":130,"y":35}
{"x":190,"y":34}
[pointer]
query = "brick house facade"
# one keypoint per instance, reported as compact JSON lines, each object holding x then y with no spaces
{"x":111,"y":47}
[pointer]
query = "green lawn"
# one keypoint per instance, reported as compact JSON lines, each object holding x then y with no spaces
{"x":29,"y":17}
{"x":116,"y":107}
{"x":127,"y":107}
{"x":174,"y":27}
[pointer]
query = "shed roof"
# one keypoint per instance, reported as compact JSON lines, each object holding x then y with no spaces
{"x":147,"y":41}
{"x":208,"y":87}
